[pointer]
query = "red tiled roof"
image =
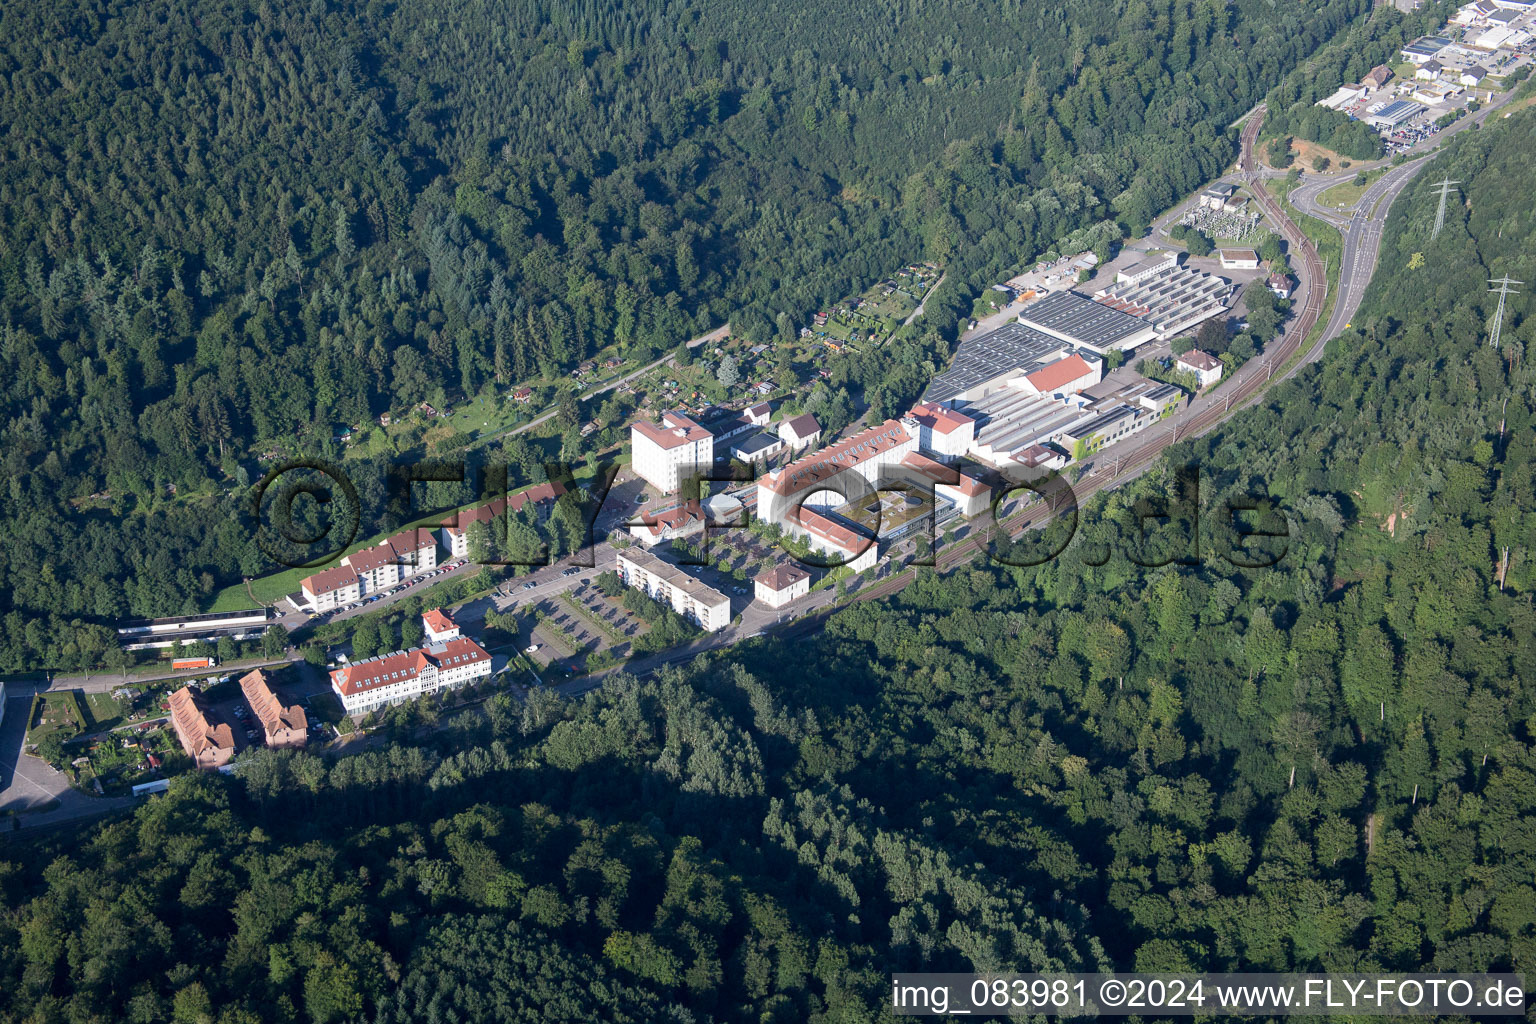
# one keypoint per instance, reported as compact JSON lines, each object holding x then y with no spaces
{"x":782,"y":577}
{"x":945,"y":475}
{"x":407,"y":543}
{"x":438,"y":622}
{"x":537,"y":494}
{"x":938,"y":418}
{"x":269,"y":711}
{"x":839,"y":536}
{"x":1200,"y":360}
{"x":830,"y":461}
{"x":401,"y":665}
{"x":1059,"y":374}
{"x":328,"y":580}
{"x":676,"y":430}
{"x":676,"y":517}
{"x":369,"y":559}
{"x":195,"y":726}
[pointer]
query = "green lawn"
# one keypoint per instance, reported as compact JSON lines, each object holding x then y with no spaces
{"x":54,"y":713}
{"x":103,"y":710}
{"x":1346,"y":195}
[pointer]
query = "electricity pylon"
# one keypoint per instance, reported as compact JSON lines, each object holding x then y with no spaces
{"x":1445,"y":192}
{"x":1504,"y":291}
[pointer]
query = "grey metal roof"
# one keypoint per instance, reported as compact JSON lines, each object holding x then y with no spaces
{"x":1069,"y":315}
{"x":984,"y":357}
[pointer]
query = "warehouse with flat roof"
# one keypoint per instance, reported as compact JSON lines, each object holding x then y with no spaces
{"x":985,"y":362}
{"x":1071,"y":318}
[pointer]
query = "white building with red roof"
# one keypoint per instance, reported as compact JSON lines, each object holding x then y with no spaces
{"x":966,"y":491}
{"x":331,"y":588}
{"x":455,"y":528}
{"x":400,"y":676}
{"x":439,"y":627}
{"x":1206,"y":367}
{"x":781,"y":585}
{"x":840,"y":472}
{"x":800,"y":431}
{"x":1064,"y":377}
{"x":940,"y":431}
{"x":683,"y":520}
{"x":666,"y":455}
{"x":844,"y":544}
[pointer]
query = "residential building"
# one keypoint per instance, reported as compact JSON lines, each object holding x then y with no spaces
{"x":1428,"y":71}
{"x":1280,"y":284}
{"x":415,"y":549}
{"x":455,"y":528}
{"x":282,"y":725}
{"x":685,"y":520}
{"x":671,"y":585}
{"x":376,"y":568}
{"x":331,"y":588}
{"x":666,"y":455}
{"x":758,"y":415}
{"x":1473,"y":76}
{"x":1206,"y":367}
{"x":781,"y":585}
{"x":800,"y":431}
{"x":394,"y":678}
{"x":1379,"y":76}
{"x":210,"y":743}
{"x":438,"y":626}
{"x":1239,"y":259}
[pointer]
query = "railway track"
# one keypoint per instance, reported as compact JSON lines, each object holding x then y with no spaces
{"x":1239,"y":390}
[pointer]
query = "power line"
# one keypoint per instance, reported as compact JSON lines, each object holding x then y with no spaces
{"x":1446,"y":189}
{"x":1504,"y":291}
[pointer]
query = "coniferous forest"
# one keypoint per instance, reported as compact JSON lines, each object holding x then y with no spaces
{"x":1322,"y":765}
{"x":229,"y":226}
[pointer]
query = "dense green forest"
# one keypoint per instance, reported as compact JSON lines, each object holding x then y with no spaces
{"x":230,"y":225}
{"x":1323,"y":765}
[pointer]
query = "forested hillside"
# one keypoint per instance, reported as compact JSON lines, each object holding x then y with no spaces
{"x":224,"y":224}
{"x":1324,"y":765}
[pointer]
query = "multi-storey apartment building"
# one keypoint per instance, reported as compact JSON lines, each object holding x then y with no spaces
{"x":669,"y":584}
{"x":666,"y":455}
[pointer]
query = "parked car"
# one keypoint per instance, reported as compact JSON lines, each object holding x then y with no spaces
{"x":530,"y":648}
{"x":529,"y":585}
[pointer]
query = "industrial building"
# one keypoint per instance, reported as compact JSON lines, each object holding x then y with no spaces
{"x":1392,"y":114}
{"x":1075,"y":320}
{"x":1170,"y":297}
{"x":986,"y":362}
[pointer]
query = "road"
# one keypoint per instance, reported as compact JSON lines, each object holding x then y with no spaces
{"x":28,"y":782}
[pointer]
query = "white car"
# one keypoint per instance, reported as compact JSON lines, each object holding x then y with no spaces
{"x":530,"y":648}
